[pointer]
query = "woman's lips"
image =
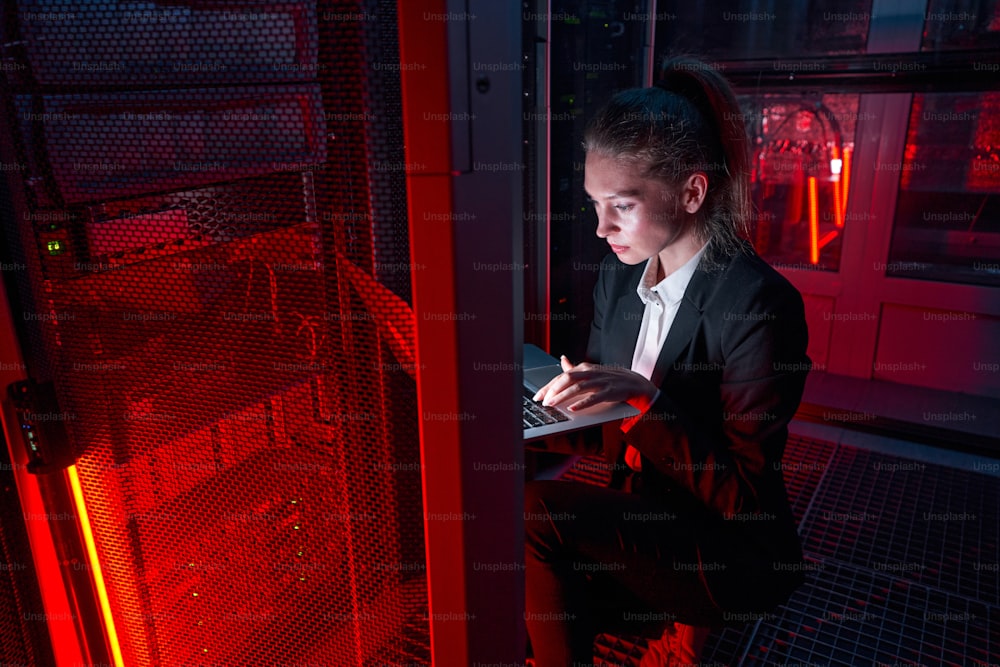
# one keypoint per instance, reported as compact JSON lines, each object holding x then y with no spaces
{"x":618,"y":249}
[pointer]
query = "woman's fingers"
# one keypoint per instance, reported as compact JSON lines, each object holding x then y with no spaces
{"x":598,"y":383}
{"x":587,"y":401}
{"x":572,"y":387}
{"x":554,"y":385}
{"x":557,"y":383}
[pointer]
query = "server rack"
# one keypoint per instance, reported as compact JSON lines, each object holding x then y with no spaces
{"x":229,"y":415}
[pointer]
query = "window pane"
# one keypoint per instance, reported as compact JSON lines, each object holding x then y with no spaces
{"x":947,"y":223}
{"x":803,"y":145}
{"x":738,"y":29}
{"x":961,"y":24}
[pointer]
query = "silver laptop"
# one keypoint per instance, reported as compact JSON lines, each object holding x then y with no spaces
{"x":540,"y":421}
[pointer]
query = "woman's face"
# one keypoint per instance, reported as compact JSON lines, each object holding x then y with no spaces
{"x":638,"y":216}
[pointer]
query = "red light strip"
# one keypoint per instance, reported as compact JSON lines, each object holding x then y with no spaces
{"x":845,"y":171}
{"x":829,"y":236}
{"x":838,"y":209}
{"x":813,"y":221}
{"x":95,"y":566}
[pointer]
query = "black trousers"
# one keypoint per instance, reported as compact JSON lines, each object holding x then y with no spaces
{"x":604,"y":560}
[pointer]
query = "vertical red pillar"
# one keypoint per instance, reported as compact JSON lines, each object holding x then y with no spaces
{"x":461,"y":76}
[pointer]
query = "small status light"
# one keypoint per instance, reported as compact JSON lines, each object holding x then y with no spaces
{"x":295,"y":502}
{"x":55,"y":247}
{"x":295,"y":527}
{"x":204,"y":650}
{"x":302,"y":578}
{"x":300,"y":553}
{"x":194,"y":595}
{"x":836,"y":166}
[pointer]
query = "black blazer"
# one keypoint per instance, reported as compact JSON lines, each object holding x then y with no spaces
{"x":731,"y":374}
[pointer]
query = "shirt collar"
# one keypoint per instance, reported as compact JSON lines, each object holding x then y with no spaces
{"x":670,"y":290}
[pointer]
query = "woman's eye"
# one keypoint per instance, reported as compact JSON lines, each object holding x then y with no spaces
{"x":624,"y":208}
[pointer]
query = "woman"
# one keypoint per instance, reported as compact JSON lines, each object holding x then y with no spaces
{"x":709,"y":342}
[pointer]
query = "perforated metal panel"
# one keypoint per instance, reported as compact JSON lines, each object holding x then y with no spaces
{"x":24,"y":636}
{"x":217,"y":236}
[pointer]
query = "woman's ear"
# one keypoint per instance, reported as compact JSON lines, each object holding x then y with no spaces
{"x":693,"y":192}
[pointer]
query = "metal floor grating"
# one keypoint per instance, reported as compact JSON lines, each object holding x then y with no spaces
{"x":921,"y":522}
{"x":906,"y":568}
{"x":847,"y":615}
{"x":726,"y":647}
{"x":618,"y":651}
{"x":804,"y":463}
{"x":589,"y":469}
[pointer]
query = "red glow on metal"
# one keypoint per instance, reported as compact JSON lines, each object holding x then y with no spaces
{"x":425,"y":95}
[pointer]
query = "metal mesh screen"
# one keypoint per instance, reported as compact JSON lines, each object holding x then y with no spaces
{"x":23,"y":635}
{"x":215,"y":204}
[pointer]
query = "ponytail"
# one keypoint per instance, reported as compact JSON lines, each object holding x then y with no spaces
{"x":689,"y":122}
{"x":711,"y":94}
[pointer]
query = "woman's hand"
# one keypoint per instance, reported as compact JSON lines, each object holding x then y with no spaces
{"x":588,"y":384}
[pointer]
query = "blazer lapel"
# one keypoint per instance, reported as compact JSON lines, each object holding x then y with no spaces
{"x":697,"y":294}
{"x":633,"y":309}
{"x":626,"y":324}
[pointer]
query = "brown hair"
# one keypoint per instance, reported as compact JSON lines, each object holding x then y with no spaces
{"x":689,"y":122}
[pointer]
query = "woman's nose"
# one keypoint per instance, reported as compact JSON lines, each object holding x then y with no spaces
{"x":604,"y":225}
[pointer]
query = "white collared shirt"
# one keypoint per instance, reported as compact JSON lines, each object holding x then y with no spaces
{"x":662,"y":301}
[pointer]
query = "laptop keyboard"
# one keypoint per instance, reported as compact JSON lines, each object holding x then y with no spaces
{"x":535,"y":414}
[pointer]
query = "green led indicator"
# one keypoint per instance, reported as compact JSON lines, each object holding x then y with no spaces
{"x":55,"y":247}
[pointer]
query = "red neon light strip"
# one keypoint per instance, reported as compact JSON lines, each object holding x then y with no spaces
{"x":829,"y":236}
{"x":838,"y":208}
{"x":845,"y":171}
{"x":813,"y":221}
{"x":95,"y":566}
